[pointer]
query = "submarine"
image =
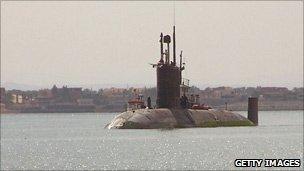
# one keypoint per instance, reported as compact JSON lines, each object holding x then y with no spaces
{"x":173,"y":109}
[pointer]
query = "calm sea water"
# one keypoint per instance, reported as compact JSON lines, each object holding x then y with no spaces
{"x":79,"y":141}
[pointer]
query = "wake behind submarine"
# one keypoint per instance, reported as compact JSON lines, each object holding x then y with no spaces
{"x":173,"y":109}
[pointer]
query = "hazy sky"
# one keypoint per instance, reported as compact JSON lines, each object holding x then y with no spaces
{"x":81,"y":43}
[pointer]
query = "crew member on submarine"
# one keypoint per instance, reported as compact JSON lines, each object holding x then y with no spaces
{"x":173,"y":110}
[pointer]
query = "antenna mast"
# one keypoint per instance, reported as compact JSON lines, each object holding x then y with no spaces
{"x":174,"y":12}
{"x":174,"y":42}
{"x":174,"y":47}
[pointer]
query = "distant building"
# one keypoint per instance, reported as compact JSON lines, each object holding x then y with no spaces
{"x":75,"y":93}
{"x":44,"y":97}
{"x":85,"y":102}
{"x":58,"y":95}
{"x":2,"y":93}
{"x":66,"y":94}
{"x":225,"y":93}
{"x":272,"y":90}
{"x":251,"y":91}
{"x":17,"y":98}
{"x":299,"y":93}
{"x":2,"y":107}
{"x":274,"y":93}
{"x":114,"y":92}
{"x":240,"y":91}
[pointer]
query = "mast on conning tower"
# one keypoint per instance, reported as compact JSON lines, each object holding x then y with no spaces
{"x":167,"y":39}
{"x":161,"y":49}
{"x":181,"y":67}
{"x":174,"y":47}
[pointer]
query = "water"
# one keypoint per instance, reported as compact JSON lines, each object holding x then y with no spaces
{"x":79,"y":141}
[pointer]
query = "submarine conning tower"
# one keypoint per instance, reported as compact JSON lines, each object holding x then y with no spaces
{"x":168,"y":75}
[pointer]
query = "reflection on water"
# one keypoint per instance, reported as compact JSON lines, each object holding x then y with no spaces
{"x":79,"y":141}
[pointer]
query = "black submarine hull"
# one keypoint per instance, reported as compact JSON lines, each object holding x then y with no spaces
{"x":177,"y":118}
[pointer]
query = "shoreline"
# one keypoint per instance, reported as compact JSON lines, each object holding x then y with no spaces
{"x":111,"y":112}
